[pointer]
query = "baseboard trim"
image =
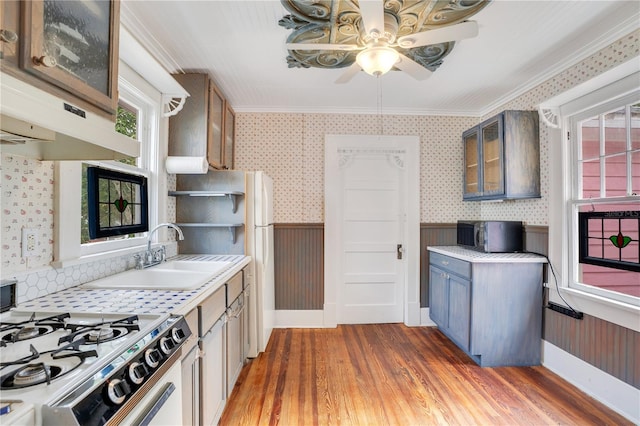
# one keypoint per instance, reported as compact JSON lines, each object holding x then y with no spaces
{"x":424,"y":318}
{"x":299,"y":319}
{"x":612,"y":392}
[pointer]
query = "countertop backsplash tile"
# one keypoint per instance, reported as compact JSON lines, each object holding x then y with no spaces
{"x":46,"y":280}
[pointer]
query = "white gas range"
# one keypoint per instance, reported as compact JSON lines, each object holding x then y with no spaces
{"x":84,"y":368}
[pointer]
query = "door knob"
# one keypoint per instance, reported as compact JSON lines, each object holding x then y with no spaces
{"x":399,"y":251}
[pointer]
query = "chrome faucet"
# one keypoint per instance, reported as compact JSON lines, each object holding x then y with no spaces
{"x":168,"y":225}
{"x":151,"y":258}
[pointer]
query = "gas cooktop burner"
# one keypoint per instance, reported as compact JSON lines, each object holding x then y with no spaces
{"x":52,"y":365}
{"x":101,"y":332}
{"x":33,"y":374}
{"x":15,"y":332}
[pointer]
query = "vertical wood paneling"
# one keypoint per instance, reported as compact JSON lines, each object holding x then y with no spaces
{"x":299,"y":266}
{"x":432,"y":234}
{"x":607,"y":346}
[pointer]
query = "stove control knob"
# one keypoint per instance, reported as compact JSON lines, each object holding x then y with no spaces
{"x":167,"y":345}
{"x":137,"y":372}
{"x":177,"y":334}
{"x":117,"y":391}
{"x":152,"y":357}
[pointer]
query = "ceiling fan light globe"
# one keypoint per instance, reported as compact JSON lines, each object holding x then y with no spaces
{"x":407,"y":42}
{"x":377,"y":60}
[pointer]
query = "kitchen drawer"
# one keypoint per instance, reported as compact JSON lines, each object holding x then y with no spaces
{"x":234,"y":288}
{"x":210,"y":310}
{"x":450,"y":264}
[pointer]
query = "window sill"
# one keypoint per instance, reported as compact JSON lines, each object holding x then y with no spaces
{"x":623,"y":314}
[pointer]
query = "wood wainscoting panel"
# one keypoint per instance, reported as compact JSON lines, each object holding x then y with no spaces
{"x":299,"y":266}
{"x":432,"y":234}
{"x":607,"y":346}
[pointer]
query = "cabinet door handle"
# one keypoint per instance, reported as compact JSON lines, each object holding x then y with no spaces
{"x":46,"y":61}
{"x":8,"y":36}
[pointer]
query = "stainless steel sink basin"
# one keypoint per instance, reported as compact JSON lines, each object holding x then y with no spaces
{"x":153,"y":279}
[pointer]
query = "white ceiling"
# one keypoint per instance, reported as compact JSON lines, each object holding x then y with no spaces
{"x":239,"y":42}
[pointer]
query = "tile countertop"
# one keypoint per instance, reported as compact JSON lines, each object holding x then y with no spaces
{"x":95,"y":300}
{"x":475,"y":256}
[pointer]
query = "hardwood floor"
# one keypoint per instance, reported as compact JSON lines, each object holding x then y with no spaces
{"x":390,"y":374}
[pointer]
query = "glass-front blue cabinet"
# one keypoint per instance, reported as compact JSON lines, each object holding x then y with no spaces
{"x":502,"y":157}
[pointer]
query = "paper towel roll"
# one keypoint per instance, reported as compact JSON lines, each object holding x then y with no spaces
{"x":186,"y":165}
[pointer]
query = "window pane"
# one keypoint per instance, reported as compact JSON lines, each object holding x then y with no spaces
{"x":609,"y":236}
{"x":635,"y":173}
{"x":590,"y":139}
{"x":626,"y":282}
{"x":616,"y":176}
{"x":635,"y":126}
{"x":591,"y":179}
{"x":127,"y":124}
{"x":615,"y":132}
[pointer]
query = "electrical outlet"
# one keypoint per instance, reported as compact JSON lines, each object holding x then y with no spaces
{"x":29,"y":242}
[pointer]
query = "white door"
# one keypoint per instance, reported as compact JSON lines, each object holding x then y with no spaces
{"x":371,"y":225}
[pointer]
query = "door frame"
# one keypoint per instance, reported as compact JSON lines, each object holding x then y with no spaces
{"x":407,"y":152}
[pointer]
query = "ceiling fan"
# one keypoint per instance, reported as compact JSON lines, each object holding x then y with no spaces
{"x":379,"y":49}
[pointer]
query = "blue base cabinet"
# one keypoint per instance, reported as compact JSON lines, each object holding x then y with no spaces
{"x":492,"y":310}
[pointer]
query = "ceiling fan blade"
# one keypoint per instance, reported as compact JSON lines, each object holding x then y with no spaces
{"x":455,"y":32}
{"x":412,"y":68}
{"x":348,"y":74}
{"x":322,"y":46}
{"x":372,"y":13}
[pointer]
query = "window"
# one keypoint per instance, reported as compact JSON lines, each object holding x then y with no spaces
{"x":128,"y":121}
{"x":138,"y":116}
{"x":117,"y":203}
{"x":604,"y":204}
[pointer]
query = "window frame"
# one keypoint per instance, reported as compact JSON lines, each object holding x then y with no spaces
{"x":575,"y":199}
{"x":610,"y":86}
{"x":136,"y":93}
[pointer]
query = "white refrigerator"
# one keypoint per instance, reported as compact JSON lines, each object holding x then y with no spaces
{"x":259,"y":245}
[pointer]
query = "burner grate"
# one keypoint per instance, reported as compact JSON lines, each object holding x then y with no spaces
{"x":31,"y":328}
{"x":30,"y":374}
{"x":102,"y":332}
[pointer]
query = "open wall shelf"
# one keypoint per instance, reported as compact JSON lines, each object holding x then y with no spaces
{"x":232,"y":195}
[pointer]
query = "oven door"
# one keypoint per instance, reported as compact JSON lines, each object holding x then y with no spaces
{"x":162,"y":405}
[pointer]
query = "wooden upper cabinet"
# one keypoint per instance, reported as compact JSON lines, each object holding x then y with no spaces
{"x":9,"y":33}
{"x":502,"y":157}
{"x":229,"y":136}
{"x":204,"y":127}
{"x":216,"y":121}
{"x":71,"y":46}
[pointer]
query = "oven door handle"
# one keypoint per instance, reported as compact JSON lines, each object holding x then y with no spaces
{"x":157,"y":404}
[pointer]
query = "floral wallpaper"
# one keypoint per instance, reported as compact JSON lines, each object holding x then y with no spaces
{"x":26,"y":191}
{"x":290,"y":148}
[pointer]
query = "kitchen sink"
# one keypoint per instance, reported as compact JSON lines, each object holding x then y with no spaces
{"x":212,"y":266}
{"x":153,"y":279}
